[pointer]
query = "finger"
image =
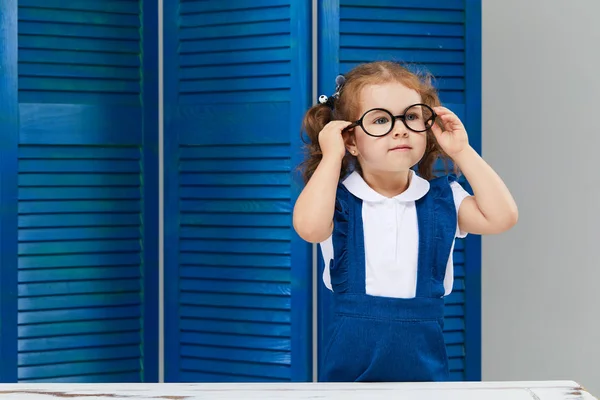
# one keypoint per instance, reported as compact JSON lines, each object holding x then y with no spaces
{"x":448,"y":116}
{"x":339,"y":123}
{"x":451,"y":120}
{"x":442,"y":110}
{"x":436,"y":129}
{"x":343,"y":125}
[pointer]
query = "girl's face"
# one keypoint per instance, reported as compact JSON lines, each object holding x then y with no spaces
{"x":400,"y":149}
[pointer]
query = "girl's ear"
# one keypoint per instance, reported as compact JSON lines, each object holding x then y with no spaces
{"x":350,"y":142}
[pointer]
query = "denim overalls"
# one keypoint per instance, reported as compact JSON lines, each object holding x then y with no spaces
{"x":382,"y":339}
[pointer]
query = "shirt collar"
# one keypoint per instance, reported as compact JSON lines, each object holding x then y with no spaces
{"x":417,"y":188}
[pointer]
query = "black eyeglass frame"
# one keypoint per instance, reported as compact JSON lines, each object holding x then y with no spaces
{"x":402,"y":117}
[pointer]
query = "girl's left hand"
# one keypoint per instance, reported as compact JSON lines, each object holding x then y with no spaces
{"x":453,"y":139}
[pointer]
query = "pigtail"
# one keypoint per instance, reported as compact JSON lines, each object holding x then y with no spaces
{"x":314,"y":121}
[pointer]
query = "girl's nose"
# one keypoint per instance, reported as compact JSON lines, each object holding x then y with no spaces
{"x":400,"y":129}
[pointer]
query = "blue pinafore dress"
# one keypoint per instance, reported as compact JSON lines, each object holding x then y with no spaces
{"x":383,"y":339}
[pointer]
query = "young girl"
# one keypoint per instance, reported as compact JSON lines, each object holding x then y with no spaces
{"x":387,"y":232}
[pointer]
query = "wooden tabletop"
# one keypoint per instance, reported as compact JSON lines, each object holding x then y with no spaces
{"x":553,"y":390}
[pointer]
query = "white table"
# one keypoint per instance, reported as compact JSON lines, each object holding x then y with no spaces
{"x":553,"y":390}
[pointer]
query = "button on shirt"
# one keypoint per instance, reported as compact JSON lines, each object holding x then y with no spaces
{"x":391,"y":238}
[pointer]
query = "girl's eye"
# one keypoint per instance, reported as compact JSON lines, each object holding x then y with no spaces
{"x":381,"y":120}
{"x":413,"y":117}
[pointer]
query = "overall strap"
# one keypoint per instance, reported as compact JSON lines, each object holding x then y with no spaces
{"x":347,"y":269}
{"x":436,"y":216}
{"x":356,"y":247}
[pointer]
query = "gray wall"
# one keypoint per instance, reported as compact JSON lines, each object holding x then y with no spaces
{"x":541,"y":281}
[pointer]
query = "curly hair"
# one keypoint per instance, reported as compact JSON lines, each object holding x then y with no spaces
{"x":347,"y":106}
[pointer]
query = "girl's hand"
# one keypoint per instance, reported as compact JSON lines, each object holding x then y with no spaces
{"x":453,"y":139}
{"x":331,"y":140}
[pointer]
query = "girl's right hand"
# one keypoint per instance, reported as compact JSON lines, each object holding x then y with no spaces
{"x":331,"y":140}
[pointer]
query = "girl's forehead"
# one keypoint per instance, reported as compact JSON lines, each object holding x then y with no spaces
{"x":393,"y":96}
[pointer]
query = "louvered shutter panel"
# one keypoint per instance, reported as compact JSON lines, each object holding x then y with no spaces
{"x":238,"y":281}
{"x":81,"y":191}
{"x":433,"y":34}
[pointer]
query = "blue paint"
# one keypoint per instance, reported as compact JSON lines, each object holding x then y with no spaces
{"x":171,"y":73}
{"x":474,"y":126}
{"x":87,"y":193}
{"x":328,"y":67}
{"x":150,"y":65}
{"x":9,"y":126}
{"x":238,"y":287}
{"x":302,"y":274}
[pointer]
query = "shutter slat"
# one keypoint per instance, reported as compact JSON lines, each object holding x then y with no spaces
{"x":233,"y":44}
{"x":56,"y":370}
{"x":224,"y":245}
{"x":236,"y":260}
{"x":50,"y":316}
{"x":88,"y":259}
{"x":233,"y":85}
{"x":242,"y":274}
{"x":417,"y":4}
{"x":78,"y":327}
{"x":402,"y":28}
{"x":238,"y":30}
{"x":80,"y":219}
{"x":67,"y":16}
{"x":236,"y":300}
{"x":79,"y":355}
{"x":86,"y":378}
{"x":401,"y":42}
{"x":210,"y":6}
{"x":243,"y":355}
{"x":102,"y":272}
{"x":401,"y":13}
{"x":235,"y":219}
{"x":231,"y":313}
{"x":105,"y":6}
{"x":256,"y":96}
{"x":234,"y":206}
{"x":51,"y":28}
{"x":230,"y":17}
{"x":235,"y":71}
{"x":78,"y":44}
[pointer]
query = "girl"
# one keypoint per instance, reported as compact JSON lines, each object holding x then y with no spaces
{"x":387,"y":232}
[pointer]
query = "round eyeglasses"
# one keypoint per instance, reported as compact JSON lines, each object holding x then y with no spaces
{"x":379,"y":121}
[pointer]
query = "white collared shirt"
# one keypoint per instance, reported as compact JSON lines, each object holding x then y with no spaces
{"x":391,"y":238}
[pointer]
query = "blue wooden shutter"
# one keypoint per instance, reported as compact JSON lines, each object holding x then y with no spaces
{"x":238,"y":281}
{"x":87,"y":192}
{"x":443,"y":36}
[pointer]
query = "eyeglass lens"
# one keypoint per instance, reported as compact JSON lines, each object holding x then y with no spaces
{"x":417,"y":118}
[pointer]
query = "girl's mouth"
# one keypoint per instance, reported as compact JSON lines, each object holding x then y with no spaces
{"x":402,"y":147}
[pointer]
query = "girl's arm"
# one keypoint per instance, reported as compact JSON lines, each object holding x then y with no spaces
{"x":313,"y":212}
{"x":492,"y":209}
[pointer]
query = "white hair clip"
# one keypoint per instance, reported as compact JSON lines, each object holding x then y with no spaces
{"x":339,"y":82}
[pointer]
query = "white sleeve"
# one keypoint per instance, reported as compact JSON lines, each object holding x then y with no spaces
{"x":459,"y":195}
{"x":327,"y":253}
